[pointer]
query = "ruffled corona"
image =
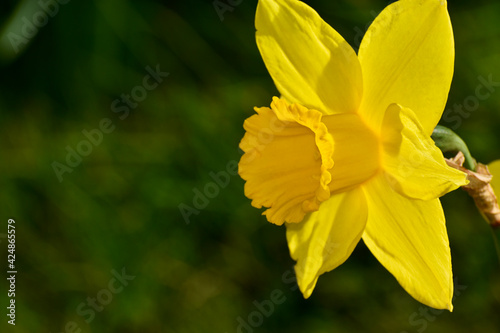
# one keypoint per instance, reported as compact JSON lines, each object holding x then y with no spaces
{"x":297,"y":138}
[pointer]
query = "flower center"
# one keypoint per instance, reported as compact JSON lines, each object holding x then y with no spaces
{"x":355,"y":153}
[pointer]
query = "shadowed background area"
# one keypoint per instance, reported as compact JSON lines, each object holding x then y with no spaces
{"x":114,"y":114}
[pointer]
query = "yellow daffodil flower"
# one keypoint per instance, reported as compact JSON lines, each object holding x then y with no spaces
{"x":346,"y":152}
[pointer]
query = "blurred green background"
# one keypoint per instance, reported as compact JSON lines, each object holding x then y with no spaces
{"x":119,"y":207}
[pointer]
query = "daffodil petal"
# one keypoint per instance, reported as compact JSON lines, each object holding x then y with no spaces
{"x":409,"y":238}
{"x":407,"y":57}
{"x":414,"y":166}
{"x":327,"y":237}
{"x":494,"y":168}
{"x":310,"y":63}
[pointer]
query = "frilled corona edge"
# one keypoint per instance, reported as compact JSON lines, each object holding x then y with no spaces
{"x":287,"y":160}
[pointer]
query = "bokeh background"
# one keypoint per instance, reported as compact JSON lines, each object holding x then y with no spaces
{"x":119,"y":207}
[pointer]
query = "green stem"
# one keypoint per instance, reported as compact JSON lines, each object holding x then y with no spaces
{"x":448,"y":141}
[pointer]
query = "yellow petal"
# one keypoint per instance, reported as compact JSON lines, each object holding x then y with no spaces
{"x":288,"y":152}
{"x":407,"y":58}
{"x":414,"y":166}
{"x":310,"y":63}
{"x":327,"y":237}
{"x":409,"y":238}
{"x":494,"y":168}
